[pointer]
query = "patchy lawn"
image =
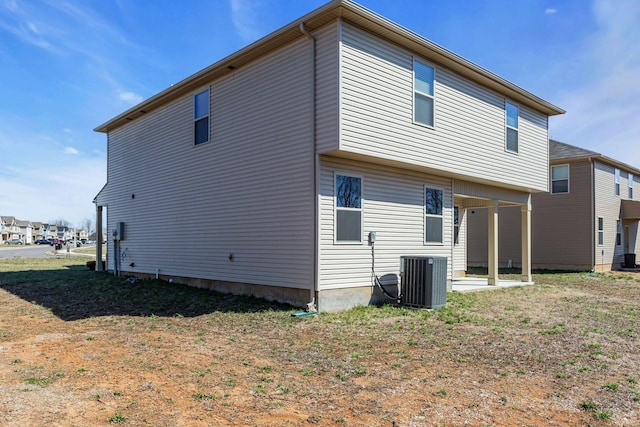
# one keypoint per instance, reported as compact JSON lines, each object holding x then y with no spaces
{"x":83,"y":348}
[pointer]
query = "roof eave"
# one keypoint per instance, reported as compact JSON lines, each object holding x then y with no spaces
{"x":358,"y":15}
{"x":599,"y":157}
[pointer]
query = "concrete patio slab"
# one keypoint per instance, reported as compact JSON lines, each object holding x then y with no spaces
{"x":466,"y":284}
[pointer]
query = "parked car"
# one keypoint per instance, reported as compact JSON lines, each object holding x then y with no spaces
{"x":43,"y":242}
{"x":57,"y":243}
{"x":14,"y":242}
{"x":76,"y":243}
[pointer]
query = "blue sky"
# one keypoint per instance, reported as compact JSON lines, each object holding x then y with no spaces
{"x":67,"y":66}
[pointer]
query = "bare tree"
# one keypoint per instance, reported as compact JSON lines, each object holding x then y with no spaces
{"x":87,"y":224}
{"x":60,"y":222}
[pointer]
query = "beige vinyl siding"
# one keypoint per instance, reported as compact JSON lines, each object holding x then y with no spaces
{"x":327,"y":84}
{"x":377,"y":119}
{"x":247,"y":192}
{"x":561,"y":235}
{"x":460,"y":250}
{"x":607,"y":206}
{"x":509,"y":236}
{"x":393,"y":206}
{"x":562,"y":223}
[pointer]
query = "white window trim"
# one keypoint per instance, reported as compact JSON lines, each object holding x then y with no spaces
{"x":630,"y":184}
{"x":413,"y":93}
{"x":506,"y":126}
{"x":207,"y":116}
{"x":568,"y":178}
{"x":424,"y":214}
{"x":336,"y":208}
{"x":599,"y":231}
{"x":616,"y":178}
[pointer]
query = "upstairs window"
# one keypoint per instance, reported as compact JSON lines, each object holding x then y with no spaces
{"x":511,"y":127}
{"x":617,"y":177}
{"x":201,"y":117}
{"x":559,"y":179}
{"x":434,"y":223}
{"x":630,"y":186}
{"x":348,"y":218}
{"x":423,"y":94}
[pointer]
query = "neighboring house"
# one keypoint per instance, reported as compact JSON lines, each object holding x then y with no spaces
{"x":587,"y":221}
{"x":50,"y":231}
{"x":66,"y":233}
{"x":4,"y":233}
{"x":82,"y":235}
{"x":281,"y":158}
{"x":38,"y":231}
{"x":10,"y":229}
{"x":26,"y":231}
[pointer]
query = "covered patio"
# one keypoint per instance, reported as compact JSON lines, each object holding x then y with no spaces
{"x":469,"y":196}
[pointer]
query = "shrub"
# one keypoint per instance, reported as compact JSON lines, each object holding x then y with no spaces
{"x":91,"y":265}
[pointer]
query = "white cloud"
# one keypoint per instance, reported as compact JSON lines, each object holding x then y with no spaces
{"x":71,"y":150}
{"x":602,"y":114}
{"x":129,"y":97}
{"x":11,"y":5}
{"x":244,"y":14}
{"x":34,"y":194}
{"x":550,"y":11}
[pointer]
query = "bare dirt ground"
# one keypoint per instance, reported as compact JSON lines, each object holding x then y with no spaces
{"x":80,"y":349}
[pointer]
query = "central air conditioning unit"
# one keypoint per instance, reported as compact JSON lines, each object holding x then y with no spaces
{"x":424,"y":281}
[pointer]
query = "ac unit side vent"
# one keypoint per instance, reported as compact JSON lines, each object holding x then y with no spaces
{"x":424,"y":281}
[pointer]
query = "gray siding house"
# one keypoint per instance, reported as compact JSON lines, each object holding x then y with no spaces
{"x":280,"y":160}
{"x":587,"y":221}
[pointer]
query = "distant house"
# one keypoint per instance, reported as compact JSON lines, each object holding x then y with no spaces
{"x":10,"y":229}
{"x":26,"y":231}
{"x":4,"y":233}
{"x":587,"y":221}
{"x":82,"y":235}
{"x":280,"y":159}
{"x":4,"y":230}
{"x":50,"y":231}
{"x":38,"y":231}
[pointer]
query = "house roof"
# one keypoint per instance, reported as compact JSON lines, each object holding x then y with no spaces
{"x":561,"y":151}
{"x":331,"y":11}
{"x":8,"y":219}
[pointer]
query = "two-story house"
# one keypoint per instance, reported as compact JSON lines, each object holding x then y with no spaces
{"x":26,"y":231}
{"x":281,"y":158}
{"x":10,"y":229}
{"x":82,"y":235}
{"x":588,"y":220}
{"x":4,"y":230}
{"x":38,"y":231}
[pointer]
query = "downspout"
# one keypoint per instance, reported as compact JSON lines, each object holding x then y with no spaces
{"x":593,"y":215}
{"x":312,"y":305}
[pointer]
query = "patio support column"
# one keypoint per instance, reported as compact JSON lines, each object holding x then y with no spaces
{"x":99,"y":238}
{"x":525,"y":220}
{"x":493,"y":243}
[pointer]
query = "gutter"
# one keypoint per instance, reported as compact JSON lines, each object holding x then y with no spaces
{"x":593,"y":215}
{"x":312,"y":305}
